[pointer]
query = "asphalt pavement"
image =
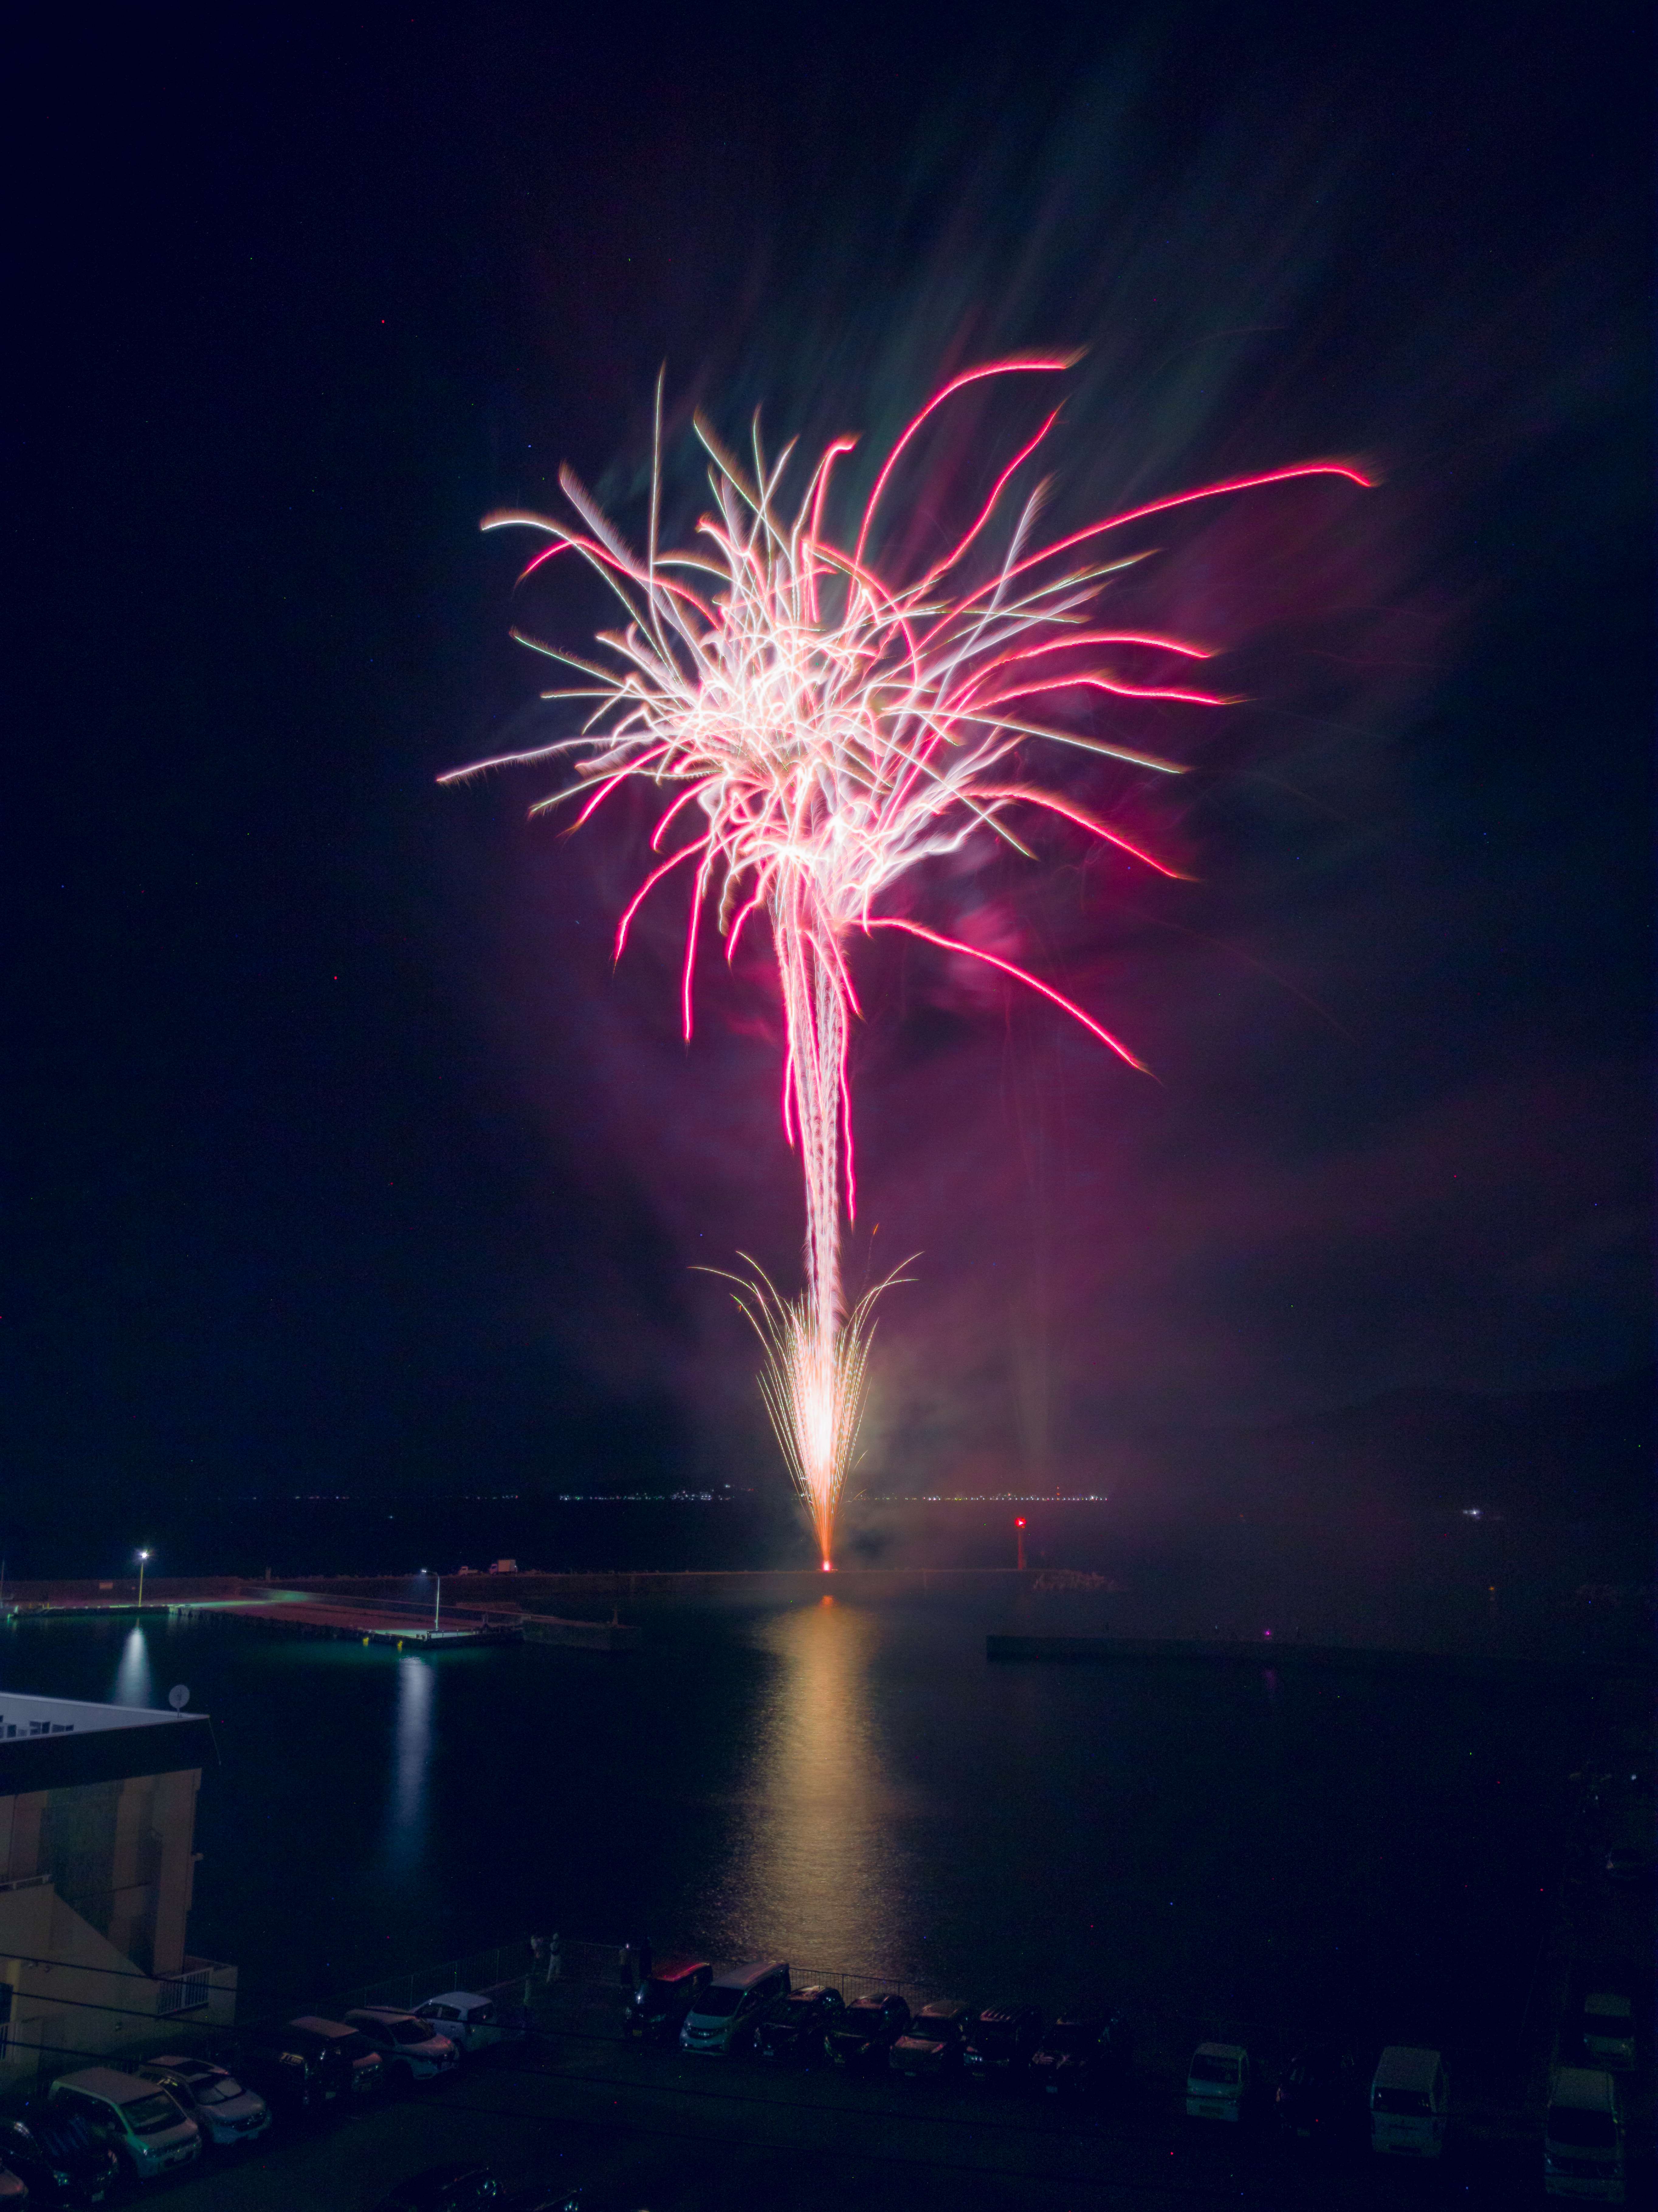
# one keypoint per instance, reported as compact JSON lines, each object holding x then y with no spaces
{"x":650,"y":2129}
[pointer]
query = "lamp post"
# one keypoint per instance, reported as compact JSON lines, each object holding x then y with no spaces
{"x":142,"y":1556}
{"x":1019,"y":1525}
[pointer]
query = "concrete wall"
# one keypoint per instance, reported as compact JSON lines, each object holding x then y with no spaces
{"x":74,"y":1995}
{"x":96,"y":1882}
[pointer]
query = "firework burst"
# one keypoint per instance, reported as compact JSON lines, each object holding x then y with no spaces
{"x":816,"y":729}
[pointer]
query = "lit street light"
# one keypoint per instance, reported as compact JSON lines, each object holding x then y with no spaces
{"x":142,"y":1556}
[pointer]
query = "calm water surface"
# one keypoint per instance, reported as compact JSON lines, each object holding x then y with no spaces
{"x":854,"y":1787}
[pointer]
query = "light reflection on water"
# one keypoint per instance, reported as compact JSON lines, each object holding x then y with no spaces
{"x":134,"y":1685}
{"x":821,"y":1868}
{"x":411,"y":1763}
{"x":855,"y":1789}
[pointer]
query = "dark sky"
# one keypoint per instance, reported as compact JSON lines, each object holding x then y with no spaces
{"x":333,"y":1151}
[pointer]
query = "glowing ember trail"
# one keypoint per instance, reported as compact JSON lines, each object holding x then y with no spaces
{"x":831,"y":726}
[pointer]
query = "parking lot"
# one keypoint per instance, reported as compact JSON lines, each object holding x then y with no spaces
{"x":648,"y":2128}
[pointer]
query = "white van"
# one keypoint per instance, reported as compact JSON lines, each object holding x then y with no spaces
{"x":723,"y":2013}
{"x":1583,"y":2136}
{"x":1218,"y":2082}
{"x":137,"y":2119}
{"x":1409,"y":2095}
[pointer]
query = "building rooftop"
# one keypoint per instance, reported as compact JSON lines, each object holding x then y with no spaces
{"x":54,"y":1743}
{"x":23,"y":1716}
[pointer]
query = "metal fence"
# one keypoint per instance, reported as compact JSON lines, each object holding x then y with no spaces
{"x":506,"y":1971}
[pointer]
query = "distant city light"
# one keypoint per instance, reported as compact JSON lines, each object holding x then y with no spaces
{"x":984,"y":1498}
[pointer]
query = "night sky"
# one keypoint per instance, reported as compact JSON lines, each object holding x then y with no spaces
{"x":334,"y":1151}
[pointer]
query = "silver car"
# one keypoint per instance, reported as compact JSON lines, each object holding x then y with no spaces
{"x":226,"y":2113}
{"x":405,"y":2040}
{"x":468,"y":2019}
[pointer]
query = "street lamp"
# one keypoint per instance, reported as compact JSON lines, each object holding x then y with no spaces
{"x":1019,"y":1525}
{"x":142,"y":1556}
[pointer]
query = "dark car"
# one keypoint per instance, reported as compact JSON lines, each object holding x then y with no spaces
{"x":658,"y":2006}
{"x":308,"y":2063}
{"x":934,"y":2042}
{"x":1083,"y":2054}
{"x":866,"y":2032}
{"x":352,"y":2067}
{"x":1321,"y":2098}
{"x":792,"y":2033}
{"x":464,"y":2188}
{"x":999,"y":2042}
{"x":56,"y":2152}
{"x":282,"y":2066}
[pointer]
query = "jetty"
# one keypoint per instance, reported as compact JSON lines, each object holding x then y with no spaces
{"x":438,"y":1623}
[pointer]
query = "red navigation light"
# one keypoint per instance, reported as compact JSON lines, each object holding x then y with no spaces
{"x":1019,"y":1523}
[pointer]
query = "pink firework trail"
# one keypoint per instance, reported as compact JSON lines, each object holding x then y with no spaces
{"x":817,"y":728}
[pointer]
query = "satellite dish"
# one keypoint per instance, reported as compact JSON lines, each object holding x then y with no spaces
{"x":179,"y":1696}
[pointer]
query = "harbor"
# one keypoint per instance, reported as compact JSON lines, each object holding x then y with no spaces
{"x":402,"y":1623}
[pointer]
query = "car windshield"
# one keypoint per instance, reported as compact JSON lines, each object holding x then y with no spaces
{"x":99,"y":2123}
{"x":409,"y":2030}
{"x":1616,"y":2010}
{"x":1205,"y":2067}
{"x":146,"y":2115}
{"x":219,"y":2092}
{"x":1410,"y":2103}
{"x":354,"y":2045}
{"x":1071,"y":2035}
{"x":989,"y":2033}
{"x":719,"y":2002}
{"x":654,"y":1991}
{"x":1585,"y":2130}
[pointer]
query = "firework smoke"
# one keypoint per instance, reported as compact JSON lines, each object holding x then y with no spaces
{"x":831,"y":727}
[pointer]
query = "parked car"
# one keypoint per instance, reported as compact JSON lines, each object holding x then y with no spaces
{"x":470,"y":2021}
{"x":462,"y":2188}
{"x":656,"y":2011}
{"x":1083,"y":2054}
{"x":1217,"y":2083}
{"x":1409,"y":2097}
{"x":408,"y":2047}
{"x":859,"y":2040}
{"x":286,"y":2069}
{"x":729,"y":2008}
{"x":352,"y":2067}
{"x":305,"y":2063}
{"x":138,"y":2120}
{"x":1318,"y":2099}
{"x":934,"y":2042}
{"x":225,"y":2113}
{"x":1608,"y":2029}
{"x":999,"y":2042}
{"x":1583,"y":2136}
{"x":59,"y":2156}
{"x":792,"y":2033}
